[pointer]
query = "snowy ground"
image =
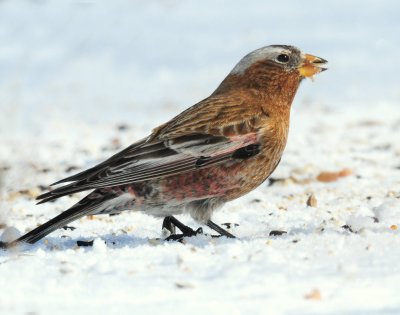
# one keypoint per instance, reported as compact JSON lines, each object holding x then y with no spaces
{"x":81,"y":79}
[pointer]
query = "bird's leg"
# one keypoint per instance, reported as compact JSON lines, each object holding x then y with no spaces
{"x":171,"y":223}
{"x":219,"y":229}
{"x":167,"y":224}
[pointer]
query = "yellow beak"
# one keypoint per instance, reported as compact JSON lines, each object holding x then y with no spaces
{"x":311,"y":65}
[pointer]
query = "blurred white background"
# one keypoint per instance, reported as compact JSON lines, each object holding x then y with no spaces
{"x":121,"y":60}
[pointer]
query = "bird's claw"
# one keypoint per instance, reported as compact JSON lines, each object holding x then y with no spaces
{"x":187,"y":233}
{"x":170,"y":224}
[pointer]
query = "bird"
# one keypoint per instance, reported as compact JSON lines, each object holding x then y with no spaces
{"x":215,"y":151}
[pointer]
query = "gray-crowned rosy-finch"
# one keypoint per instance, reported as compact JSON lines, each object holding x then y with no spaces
{"x":217,"y":150}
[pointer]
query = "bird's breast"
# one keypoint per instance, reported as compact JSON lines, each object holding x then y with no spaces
{"x":253,"y":171}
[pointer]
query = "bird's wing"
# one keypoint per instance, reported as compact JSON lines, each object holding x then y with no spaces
{"x":216,"y":115}
{"x":116,"y":157}
{"x":179,"y":146}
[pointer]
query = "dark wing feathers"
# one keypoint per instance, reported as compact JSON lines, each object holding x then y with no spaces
{"x":149,"y":161}
{"x":142,"y":150}
{"x":191,"y":140}
{"x":116,"y":157}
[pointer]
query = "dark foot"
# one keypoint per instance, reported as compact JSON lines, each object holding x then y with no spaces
{"x":170,"y":223}
{"x":219,"y":229}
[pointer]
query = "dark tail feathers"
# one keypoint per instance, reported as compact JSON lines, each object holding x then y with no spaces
{"x":84,"y":207}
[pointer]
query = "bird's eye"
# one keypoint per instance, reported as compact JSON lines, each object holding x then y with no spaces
{"x":282,"y":58}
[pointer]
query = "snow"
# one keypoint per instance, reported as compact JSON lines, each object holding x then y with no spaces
{"x":80,"y":80}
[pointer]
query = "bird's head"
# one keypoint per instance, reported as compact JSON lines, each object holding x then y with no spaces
{"x":272,"y":69}
{"x":280,"y":59}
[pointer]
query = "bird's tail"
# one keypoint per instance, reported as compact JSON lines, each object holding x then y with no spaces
{"x":88,"y":205}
